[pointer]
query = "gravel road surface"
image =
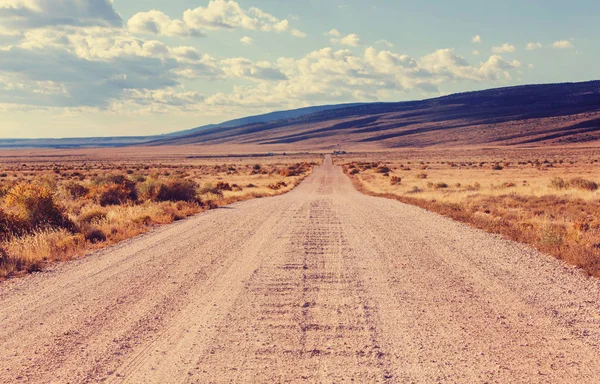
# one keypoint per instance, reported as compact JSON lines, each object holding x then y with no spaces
{"x":321,"y":285}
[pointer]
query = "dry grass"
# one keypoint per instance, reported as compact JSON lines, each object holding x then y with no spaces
{"x":54,"y":211}
{"x":549,"y":202}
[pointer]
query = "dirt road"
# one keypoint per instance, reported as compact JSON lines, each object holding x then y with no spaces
{"x":320,"y":285}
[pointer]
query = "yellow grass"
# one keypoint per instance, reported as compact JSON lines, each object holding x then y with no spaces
{"x":517,"y":197}
{"x":53,"y":211}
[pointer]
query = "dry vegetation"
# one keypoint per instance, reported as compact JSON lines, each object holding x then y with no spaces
{"x":57,"y":210}
{"x":548,"y":199}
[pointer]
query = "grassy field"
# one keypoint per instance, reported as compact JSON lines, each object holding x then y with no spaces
{"x":545,"y":198}
{"x":58,"y":207}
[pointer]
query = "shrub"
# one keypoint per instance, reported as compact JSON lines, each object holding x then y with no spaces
{"x":559,"y":183}
{"x":222,"y":186}
{"x":95,"y":235}
{"x":75,"y":190}
{"x":277,"y":186}
{"x":354,"y":171}
{"x":395,"y":180}
{"x":497,"y":167}
{"x":440,"y":185}
{"x":422,"y":176}
{"x":9,"y":225}
{"x":208,"y":188}
{"x":92,"y":216}
{"x":177,"y":190}
{"x":383,"y":169}
{"x":35,"y":206}
{"x":126,"y":185}
{"x":111,"y":194}
{"x":583,"y":184}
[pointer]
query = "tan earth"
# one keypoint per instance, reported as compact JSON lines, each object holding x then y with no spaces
{"x":320,"y":285}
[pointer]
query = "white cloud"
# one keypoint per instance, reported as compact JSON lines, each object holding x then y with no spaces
{"x":531,"y":66}
{"x":157,"y":23}
{"x":562,"y":44}
{"x":476,"y":52}
{"x":297,"y":33}
{"x":533,"y":46}
{"x":326,"y":75}
{"x":351,"y":40}
{"x":28,"y":14}
{"x":333,"y":33}
{"x":385,"y":42}
{"x":244,"y":68}
{"x":476,"y":39}
{"x":247,"y":40}
{"x":218,"y":14}
{"x":504,"y":48}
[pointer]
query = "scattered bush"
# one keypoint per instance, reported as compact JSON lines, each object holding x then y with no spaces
{"x":177,"y":190}
{"x":75,"y":190}
{"x":95,"y":235}
{"x":583,"y":184}
{"x":92,"y":216}
{"x":395,"y":180}
{"x":383,"y":169}
{"x":577,"y":182}
{"x":208,"y":188}
{"x":111,"y":194}
{"x":35,"y":206}
{"x":422,"y":176}
{"x":117,"y":189}
{"x":277,"y":186}
{"x":222,"y":186}
{"x":559,"y":183}
{"x":10,"y":225}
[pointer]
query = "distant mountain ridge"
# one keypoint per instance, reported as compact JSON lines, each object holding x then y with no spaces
{"x":540,"y":114}
{"x":521,"y":115}
{"x":120,"y":141}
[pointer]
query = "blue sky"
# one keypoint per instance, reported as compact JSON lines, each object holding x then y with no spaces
{"x":100,"y":68}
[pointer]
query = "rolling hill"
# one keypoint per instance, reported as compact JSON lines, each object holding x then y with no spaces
{"x":567,"y":113}
{"x":523,"y":115}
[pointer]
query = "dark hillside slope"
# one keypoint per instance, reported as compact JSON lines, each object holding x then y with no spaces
{"x":544,"y":114}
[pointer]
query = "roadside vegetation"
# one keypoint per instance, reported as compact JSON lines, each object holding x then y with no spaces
{"x":54,"y":212}
{"x":551,"y":203}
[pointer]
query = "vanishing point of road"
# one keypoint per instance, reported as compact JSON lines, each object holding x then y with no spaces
{"x":321,"y":285}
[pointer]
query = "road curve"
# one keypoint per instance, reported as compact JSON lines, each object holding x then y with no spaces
{"x":322,"y":284}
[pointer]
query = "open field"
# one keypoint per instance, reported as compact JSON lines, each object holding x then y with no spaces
{"x":60,"y":204}
{"x":548,"y":198}
{"x":322,"y":284}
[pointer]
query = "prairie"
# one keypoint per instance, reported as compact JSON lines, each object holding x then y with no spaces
{"x":548,"y":198}
{"x":59,"y":205}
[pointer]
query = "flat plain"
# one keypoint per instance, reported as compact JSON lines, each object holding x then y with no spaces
{"x":322,"y":284}
{"x":61,"y":204}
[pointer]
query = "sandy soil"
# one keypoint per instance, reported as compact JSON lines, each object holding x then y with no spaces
{"x":322,"y":284}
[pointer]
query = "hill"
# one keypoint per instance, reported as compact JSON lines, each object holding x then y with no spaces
{"x":546,"y":114}
{"x":523,"y":115}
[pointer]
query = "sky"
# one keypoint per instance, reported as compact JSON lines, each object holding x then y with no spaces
{"x":80,"y":68}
